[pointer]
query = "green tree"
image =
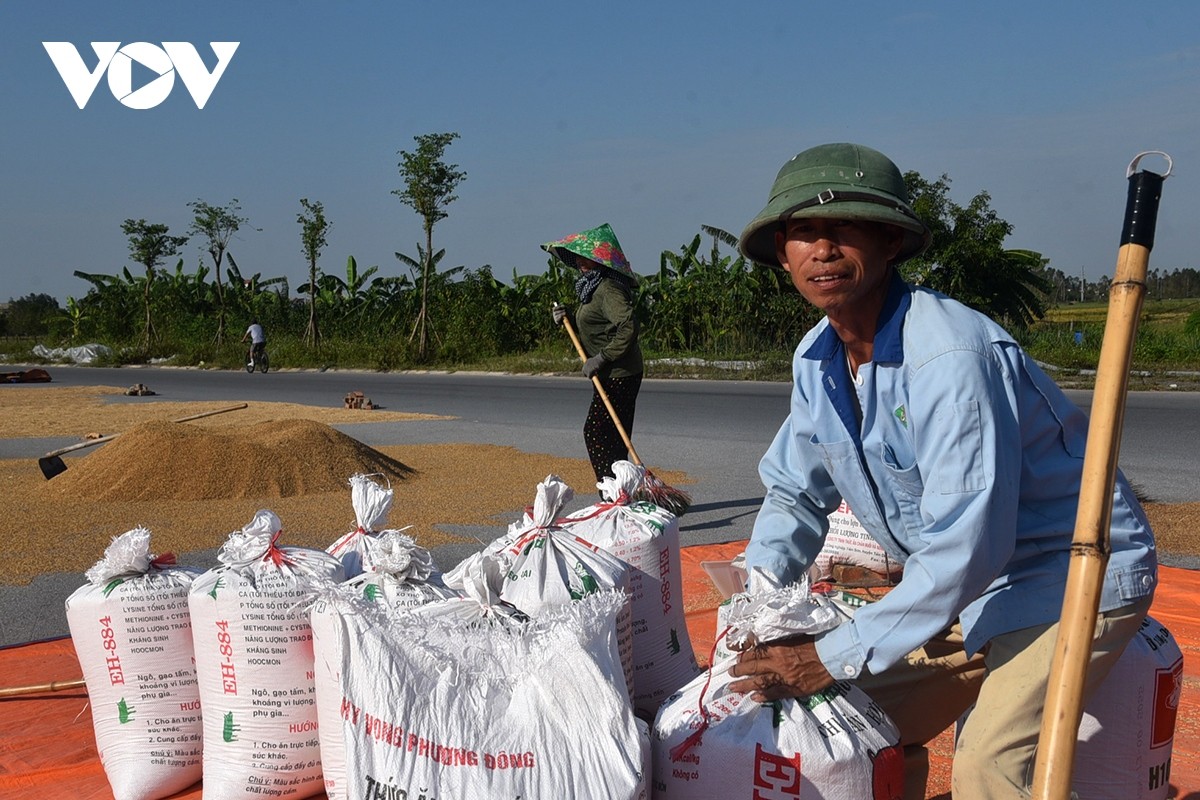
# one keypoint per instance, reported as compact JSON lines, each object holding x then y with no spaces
{"x":429,"y":184}
{"x":149,"y":244}
{"x":31,"y":315}
{"x":967,"y":259}
{"x":314,"y":230}
{"x":217,"y":225}
{"x":77,"y":314}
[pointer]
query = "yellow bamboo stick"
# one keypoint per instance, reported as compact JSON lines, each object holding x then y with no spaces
{"x":1090,"y":547}
{"x":53,"y":686}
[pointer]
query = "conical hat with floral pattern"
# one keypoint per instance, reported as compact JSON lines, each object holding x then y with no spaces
{"x":598,"y":245}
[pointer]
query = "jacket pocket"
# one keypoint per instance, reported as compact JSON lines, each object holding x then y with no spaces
{"x":905,"y":486}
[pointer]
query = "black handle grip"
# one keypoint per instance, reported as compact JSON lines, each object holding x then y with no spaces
{"x":1141,"y":208}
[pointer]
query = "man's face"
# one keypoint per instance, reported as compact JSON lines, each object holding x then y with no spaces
{"x":840,"y":266}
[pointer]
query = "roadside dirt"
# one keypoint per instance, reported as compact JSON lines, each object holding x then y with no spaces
{"x":194,"y":483}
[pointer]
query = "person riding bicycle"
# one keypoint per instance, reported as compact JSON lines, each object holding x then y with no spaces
{"x":258,"y":341}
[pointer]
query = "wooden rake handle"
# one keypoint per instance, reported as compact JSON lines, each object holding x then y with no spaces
{"x":612,"y":412}
{"x":112,"y":436}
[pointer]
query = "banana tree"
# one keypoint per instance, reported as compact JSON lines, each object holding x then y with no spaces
{"x":77,"y":314}
{"x":430,"y":280}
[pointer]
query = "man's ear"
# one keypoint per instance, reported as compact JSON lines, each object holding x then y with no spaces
{"x":780,"y":250}
{"x":897,"y":241}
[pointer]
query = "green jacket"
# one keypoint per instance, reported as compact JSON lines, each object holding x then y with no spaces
{"x":608,"y":325}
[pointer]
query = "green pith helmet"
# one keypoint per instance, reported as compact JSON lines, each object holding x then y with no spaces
{"x":835,"y":181}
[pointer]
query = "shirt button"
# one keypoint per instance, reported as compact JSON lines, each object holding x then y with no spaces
{"x":850,"y":671}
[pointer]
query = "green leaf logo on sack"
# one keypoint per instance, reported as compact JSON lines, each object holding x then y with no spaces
{"x":124,"y":712}
{"x":371,"y":592}
{"x":832,"y":692}
{"x":117,"y":61}
{"x":229,"y":730}
{"x":588,"y":584}
{"x":536,"y":543}
{"x":219,"y":584}
{"x":114,"y":583}
{"x":901,"y":415}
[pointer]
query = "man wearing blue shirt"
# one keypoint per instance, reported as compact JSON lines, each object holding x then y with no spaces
{"x":957,"y":454}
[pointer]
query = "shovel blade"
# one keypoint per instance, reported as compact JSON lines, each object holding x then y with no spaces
{"x":51,"y":466}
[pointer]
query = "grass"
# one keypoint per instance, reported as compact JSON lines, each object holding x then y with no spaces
{"x":1167,"y":347}
{"x":1067,"y":341}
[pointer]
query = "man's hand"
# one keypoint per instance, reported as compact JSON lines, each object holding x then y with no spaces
{"x":559,"y":313}
{"x":783,"y":668}
{"x":593,"y":365}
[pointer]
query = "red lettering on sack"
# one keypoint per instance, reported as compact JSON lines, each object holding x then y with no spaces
{"x":776,"y":777}
{"x":1168,"y":683}
{"x":116,"y":676}
{"x":887,"y":774}
{"x":508,"y":760}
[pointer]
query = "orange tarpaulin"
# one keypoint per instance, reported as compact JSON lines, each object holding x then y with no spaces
{"x":47,"y":748}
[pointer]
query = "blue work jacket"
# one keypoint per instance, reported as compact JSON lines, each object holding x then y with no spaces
{"x":961,"y":458}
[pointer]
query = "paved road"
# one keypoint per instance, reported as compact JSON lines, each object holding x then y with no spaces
{"x":714,"y":430}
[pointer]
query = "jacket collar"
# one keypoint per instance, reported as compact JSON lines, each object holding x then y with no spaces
{"x":889,"y":329}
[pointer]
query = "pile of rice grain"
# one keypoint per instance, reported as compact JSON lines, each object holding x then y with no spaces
{"x":173,"y":461}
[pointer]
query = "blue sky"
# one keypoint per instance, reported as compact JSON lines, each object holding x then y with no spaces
{"x":655,"y":117}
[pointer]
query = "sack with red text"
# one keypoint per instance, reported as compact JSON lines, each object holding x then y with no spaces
{"x":483,"y":711}
{"x":255,"y":665}
{"x":837,"y":744}
{"x":544,"y":566}
{"x":132,"y":633}
{"x":372,"y":503}
{"x":1127,"y":731}
{"x":400,"y":575}
{"x":851,"y":555}
{"x":646,"y":537}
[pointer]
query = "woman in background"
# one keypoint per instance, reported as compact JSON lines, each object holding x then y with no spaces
{"x":608,"y":330}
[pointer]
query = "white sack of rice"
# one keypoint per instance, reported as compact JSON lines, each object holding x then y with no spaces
{"x":255,"y":665}
{"x":400,"y":575}
{"x":646,"y":537}
{"x":132,"y":633}
{"x":849,"y":545}
{"x":1127,"y":732}
{"x":534,"y":710}
{"x":544,"y":566}
{"x":371,"y":503}
{"x":835,"y":745}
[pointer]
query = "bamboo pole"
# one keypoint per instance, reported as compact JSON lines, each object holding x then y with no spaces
{"x":53,"y":686}
{"x":1090,"y":547}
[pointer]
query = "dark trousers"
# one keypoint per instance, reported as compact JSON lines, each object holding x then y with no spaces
{"x":600,"y":435}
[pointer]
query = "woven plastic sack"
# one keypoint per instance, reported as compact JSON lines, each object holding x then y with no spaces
{"x":835,"y":745}
{"x":646,"y":537}
{"x":255,"y":665}
{"x":1127,"y":731}
{"x":401,"y":576}
{"x":532,"y":711}
{"x":849,"y":545}
{"x":132,"y":633}
{"x":543,"y":566}
{"x":372,"y":503}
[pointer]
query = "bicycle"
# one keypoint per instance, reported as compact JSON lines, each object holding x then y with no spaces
{"x":258,"y":359}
